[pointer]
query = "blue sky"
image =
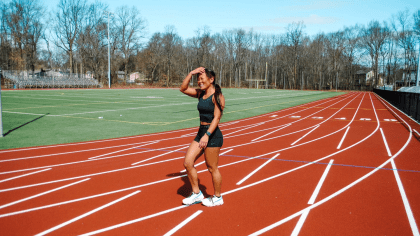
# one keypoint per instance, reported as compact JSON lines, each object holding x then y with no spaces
{"x":264,"y":16}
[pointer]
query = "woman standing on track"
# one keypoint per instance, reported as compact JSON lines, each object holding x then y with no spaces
{"x":209,"y":138}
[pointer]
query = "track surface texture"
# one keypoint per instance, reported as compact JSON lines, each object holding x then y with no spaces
{"x":346,"y":165}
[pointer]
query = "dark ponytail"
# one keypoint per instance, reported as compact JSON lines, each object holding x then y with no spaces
{"x":218,"y":92}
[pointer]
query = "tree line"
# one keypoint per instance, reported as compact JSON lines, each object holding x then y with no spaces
{"x":74,"y":38}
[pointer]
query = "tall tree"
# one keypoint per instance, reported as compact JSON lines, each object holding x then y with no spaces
{"x":68,"y":23}
{"x":130,"y":29}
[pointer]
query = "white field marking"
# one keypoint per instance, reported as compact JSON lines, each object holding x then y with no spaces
{"x":342,"y":139}
{"x":89,"y":175}
{"x":316,"y":127}
{"x":255,"y":171}
{"x":299,"y":224}
{"x":386,"y":143}
{"x":163,"y":154}
{"x":86,"y":214}
{"x":416,"y":132}
{"x":247,"y":186}
{"x":342,"y":118}
{"x":27,"y":186}
{"x":305,"y":213}
{"x":387,"y":120}
{"x":97,"y":141}
{"x":393,"y":120}
{"x":251,"y":126}
{"x":20,"y":176}
{"x":24,"y":113}
{"x":229,"y":123}
{"x":274,"y":116}
{"x":321,"y":181}
{"x":40,"y":194}
{"x":407,"y":207}
{"x":63,"y":153}
{"x":205,"y":161}
{"x":133,"y":221}
{"x":318,"y":117}
{"x":172,"y":104}
{"x":188,"y":135}
{"x":281,"y":127}
{"x":126,"y":149}
{"x":186,"y":221}
{"x":365,"y":119}
{"x":343,"y":189}
{"x":295,"y":116}
{"x":163,"y":133}
{"x":77,"y":162}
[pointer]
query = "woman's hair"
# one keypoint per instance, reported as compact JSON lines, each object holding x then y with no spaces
{"x":211,"y":74}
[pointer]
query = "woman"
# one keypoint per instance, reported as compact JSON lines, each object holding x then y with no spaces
{"x":209,"y":138}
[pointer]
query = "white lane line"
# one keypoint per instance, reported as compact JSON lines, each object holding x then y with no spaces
{"x":342,"y":139}
{"x":40,"y":194}
{"x":386,"y":143}
{"x":299,"y":224}
{"x":305,"y":213}
{"x":86,"y":214}
{"x":282,"y":127}
{"x":20,"y":176}
{"x":255,"y":171}
{"x":72,"y":152}
{"x":163,"y":154}
{"x":252,"y":126}
{"x":182,"y":171}
{"x":77,"y":162}
{"x":321,"y":181}
{"x":416,"y":132}
{"x":407,"y":207}
{"x":133,"y":221}
{"x":316,"y":127}
{"x":341,"y":190}
{"x":126,"y":149}
{"x":186,"y":221}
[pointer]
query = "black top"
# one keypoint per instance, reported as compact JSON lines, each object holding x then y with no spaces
{"x":206,"y":108}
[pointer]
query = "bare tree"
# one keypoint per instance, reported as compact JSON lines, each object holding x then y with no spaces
{"x":131,"y":29}
{"x":68,"y":23}
{"x":373,"y":40}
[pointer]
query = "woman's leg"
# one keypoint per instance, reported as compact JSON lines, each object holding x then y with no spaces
{"x":193,"y":153}
{"x":212,"y":159}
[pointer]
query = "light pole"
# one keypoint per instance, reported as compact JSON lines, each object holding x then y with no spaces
{"x":109,"y":57}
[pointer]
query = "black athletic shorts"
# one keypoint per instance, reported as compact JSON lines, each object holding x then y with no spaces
{"x":216,"y":138}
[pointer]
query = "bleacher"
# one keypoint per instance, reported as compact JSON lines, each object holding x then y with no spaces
{"x":50,"y":79}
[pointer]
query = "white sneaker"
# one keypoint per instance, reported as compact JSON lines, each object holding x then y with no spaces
{"x":193,"y":198}
{"x":213,"y":201}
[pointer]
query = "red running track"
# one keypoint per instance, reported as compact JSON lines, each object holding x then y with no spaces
{"x":347,"y":165}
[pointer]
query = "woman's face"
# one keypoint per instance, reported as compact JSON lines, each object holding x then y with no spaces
{"x":204,"y":82}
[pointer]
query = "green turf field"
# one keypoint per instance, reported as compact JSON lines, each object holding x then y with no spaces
{"x":42,"y":117}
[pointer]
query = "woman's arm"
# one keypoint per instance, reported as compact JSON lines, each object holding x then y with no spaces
{"x":184,"y":86}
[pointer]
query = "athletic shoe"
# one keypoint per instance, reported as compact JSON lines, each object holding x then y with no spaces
{"x":213,"y":201}
{"x":193,"y":198}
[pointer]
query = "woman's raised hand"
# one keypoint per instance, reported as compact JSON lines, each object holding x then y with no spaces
{"x":199,"y":70}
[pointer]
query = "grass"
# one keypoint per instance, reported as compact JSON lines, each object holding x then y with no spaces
{"x":44,"y":117}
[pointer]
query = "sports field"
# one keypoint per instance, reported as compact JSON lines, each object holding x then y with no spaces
{"x":345,"y":165}
{"x":44,"y":117}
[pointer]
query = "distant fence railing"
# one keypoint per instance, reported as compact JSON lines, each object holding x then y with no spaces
{"x":409,"y":103}
{"x":23,"y":79}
